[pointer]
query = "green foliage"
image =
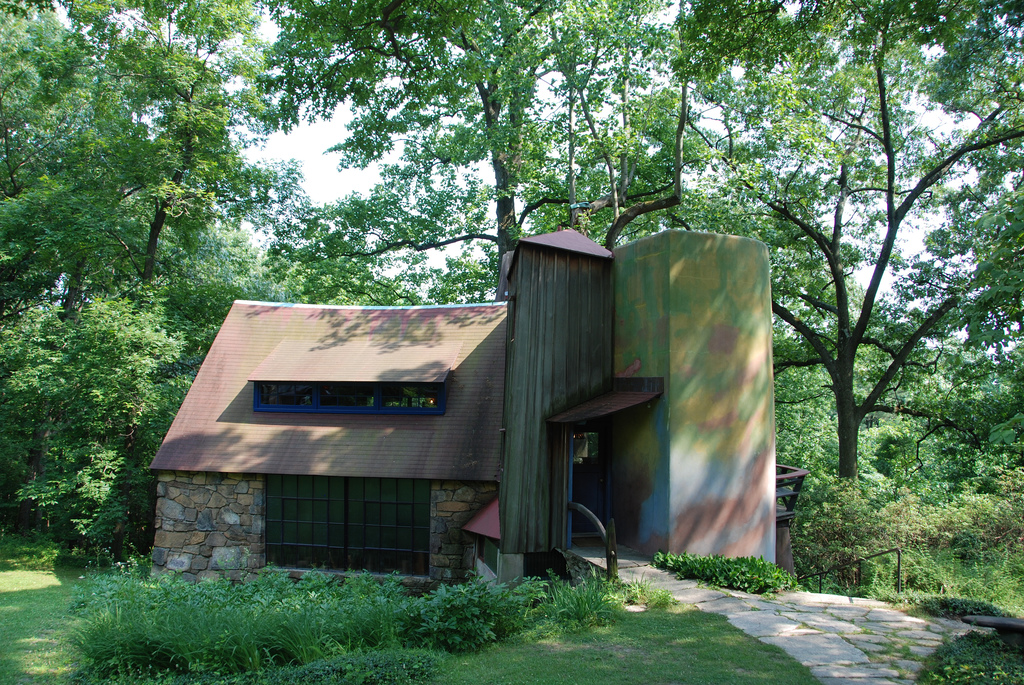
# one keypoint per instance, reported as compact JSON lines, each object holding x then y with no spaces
{"x":385,"y":667}
{"x":121,"y":247}
{"x":88,"y":434}
{"x":750,"y":574}
{"x":640,"y":592}
{"x":974,"y":659}
{"x":969,"y":546}
{"x":591,"y":602}
{"x":465,"y":617}
{"x":820,"y":122}
{"x":956,"y":607}
{"x":134,"y":624}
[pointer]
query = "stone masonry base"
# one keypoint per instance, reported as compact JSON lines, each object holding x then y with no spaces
{"x":211,"y":525}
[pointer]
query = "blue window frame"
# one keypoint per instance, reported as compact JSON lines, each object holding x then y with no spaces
{"x":349,"y":398}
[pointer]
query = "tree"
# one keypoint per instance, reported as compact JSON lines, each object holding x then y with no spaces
{"x":836,"y":131}
{"x":124,"y":193}
{"x":568,"y":106}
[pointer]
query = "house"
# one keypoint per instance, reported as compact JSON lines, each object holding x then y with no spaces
{"x":436,"y":441}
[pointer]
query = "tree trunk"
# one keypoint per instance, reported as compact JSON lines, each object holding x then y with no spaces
{"x":506,"y":205}
{"x":157,"y":225}
{"x":72,"y":303}
{"x":28,"y":514}
{"x":849,"y":422}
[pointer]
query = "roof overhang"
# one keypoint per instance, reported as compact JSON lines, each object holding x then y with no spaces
{"x":358,"y":362}
{"x":603,"y":405}
{"x":628,"y":392}
{"x":485,"y":522}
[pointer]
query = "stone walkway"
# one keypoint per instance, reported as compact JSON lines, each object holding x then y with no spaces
{"x":843,"y":640}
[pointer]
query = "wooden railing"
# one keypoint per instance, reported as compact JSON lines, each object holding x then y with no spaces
{"x":788,"y":481}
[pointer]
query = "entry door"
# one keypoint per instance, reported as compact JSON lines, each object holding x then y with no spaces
{"x":588,"y":484}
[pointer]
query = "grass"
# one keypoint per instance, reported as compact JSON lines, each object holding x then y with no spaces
{"x":676,"y":645}
{"x":33,"y":623}
{"x":34,"y":596}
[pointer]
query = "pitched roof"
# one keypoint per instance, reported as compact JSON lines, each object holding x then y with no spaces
{"x":216,"y":428}
{"x":569,"y":240}
{"x":358,"y":361}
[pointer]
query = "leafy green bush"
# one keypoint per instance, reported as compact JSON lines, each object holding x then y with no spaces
{"x":459,"y":618}
{"x":750,"y":574}
{"x":955,"y":607}
{"x":590,"y":603}
{"x":974,"y":659}
{"x":971,"y":545}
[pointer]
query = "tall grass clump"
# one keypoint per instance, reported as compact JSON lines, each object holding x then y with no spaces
{"x":591,"y":602}
{"x":169,"y":625}
{"x":640,"y":592}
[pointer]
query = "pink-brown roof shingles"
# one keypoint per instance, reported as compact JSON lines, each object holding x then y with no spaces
{"x":216,"y":428}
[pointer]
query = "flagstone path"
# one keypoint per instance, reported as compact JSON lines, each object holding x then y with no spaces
{"x":843,"y":640}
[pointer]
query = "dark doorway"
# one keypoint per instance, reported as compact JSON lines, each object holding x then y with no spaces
{"x":588,"y":479}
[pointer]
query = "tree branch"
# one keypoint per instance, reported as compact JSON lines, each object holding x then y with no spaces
{"x":419,"y":247}
{"x":900,"y":358}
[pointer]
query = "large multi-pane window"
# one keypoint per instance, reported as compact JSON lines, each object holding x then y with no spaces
{"x":377,"y":524}
{"x":358,"y":398}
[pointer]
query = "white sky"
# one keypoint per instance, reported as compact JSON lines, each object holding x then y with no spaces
{"x":308,"y":144}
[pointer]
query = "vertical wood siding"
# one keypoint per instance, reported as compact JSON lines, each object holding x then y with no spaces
{"x":559,"y":354}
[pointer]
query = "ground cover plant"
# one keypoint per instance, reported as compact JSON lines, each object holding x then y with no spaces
{"x":975,"y":659}
{"x":750,"y":574}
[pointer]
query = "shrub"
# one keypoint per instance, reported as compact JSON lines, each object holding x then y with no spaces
{"x":459,"y":618}
{"x":750,"y":574}
{"x":955,"y":607}
{"x":974,"y":659}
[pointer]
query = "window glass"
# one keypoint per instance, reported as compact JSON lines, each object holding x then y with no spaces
{"x":418,"y":396}
{"x":286,"y":394}
{"x":350,"y":397}
{"x":347,"y":395}
{"x":387,"y":531}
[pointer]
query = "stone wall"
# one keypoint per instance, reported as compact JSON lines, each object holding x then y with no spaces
{"x":452,"y":504}
{"x":209,"y":525}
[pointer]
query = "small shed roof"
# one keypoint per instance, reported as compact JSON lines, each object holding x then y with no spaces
{"x":216,"y":428}
{"x":570,"y":240}
{"x":485,"y":522}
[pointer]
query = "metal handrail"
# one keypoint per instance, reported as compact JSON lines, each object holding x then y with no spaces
{"x":607,"y":537}
{"x":860,"y":569}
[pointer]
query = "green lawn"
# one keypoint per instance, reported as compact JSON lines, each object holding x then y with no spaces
{"x":33,"y":626}
{"x":679,"y":645}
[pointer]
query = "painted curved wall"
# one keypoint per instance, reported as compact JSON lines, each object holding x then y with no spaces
{"x":695,"y":470}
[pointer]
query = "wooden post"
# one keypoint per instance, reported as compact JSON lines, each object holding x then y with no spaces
{"x":612,"y":552}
